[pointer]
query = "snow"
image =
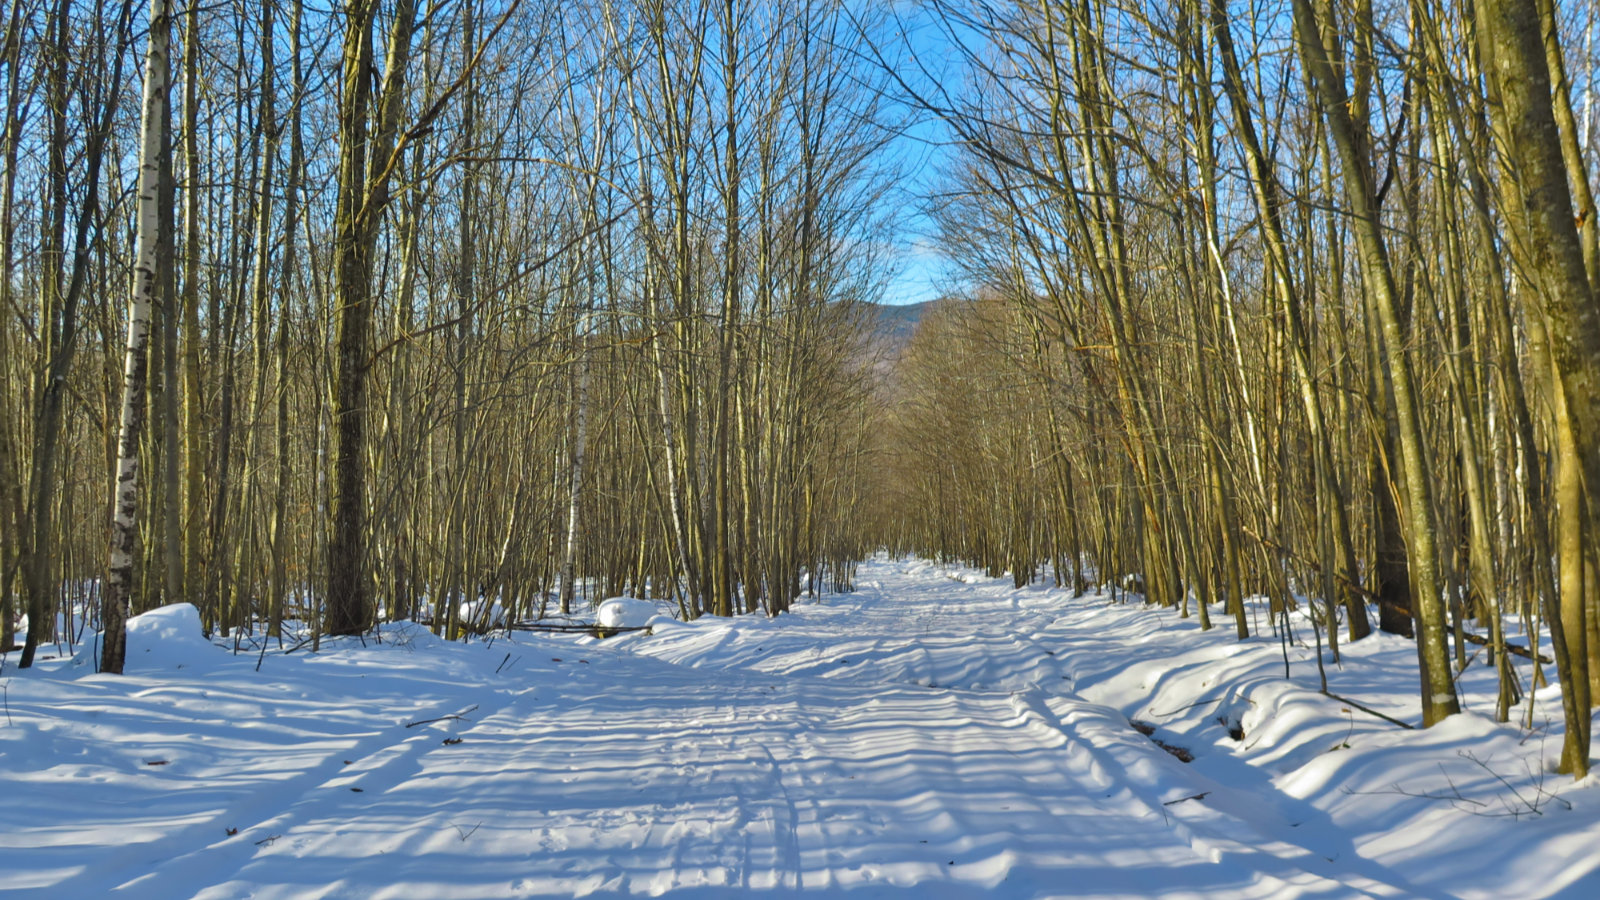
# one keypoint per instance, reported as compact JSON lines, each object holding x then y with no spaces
{"x":935,"y":734}
{"x":475,"y":611}
{"x":165,"y":638}
{"x":626,"y":612}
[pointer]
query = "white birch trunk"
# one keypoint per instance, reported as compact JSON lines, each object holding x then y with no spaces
{"x":580,"y":437}
{"x":116,"y":592}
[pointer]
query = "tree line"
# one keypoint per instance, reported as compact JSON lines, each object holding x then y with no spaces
{"x":1292,"y":298}
{"x":444,"y":310}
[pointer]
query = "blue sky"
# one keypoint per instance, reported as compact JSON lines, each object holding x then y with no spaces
{"x":920,"y":152}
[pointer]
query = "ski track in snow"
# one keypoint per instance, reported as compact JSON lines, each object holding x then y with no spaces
{"x":919,"y":738}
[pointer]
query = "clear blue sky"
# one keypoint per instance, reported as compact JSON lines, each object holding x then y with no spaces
{"x":920,"y":152}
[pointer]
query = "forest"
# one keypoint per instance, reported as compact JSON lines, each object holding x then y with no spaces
{"x":475,"y":311}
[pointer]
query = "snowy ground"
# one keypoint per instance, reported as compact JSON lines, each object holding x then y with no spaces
{"x":935,"y":734}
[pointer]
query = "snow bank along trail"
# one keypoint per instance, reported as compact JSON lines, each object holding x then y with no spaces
{"x":927,"y":736}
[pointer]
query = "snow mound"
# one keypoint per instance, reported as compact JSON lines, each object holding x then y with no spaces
{"x":168,"y":638}
{"x":410,"y":635}
{"x":625,"y":612}
{"x":473,"y":612}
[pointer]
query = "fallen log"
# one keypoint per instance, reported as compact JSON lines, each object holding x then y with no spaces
{"x":599,"y":631}
{"x":1513,"y":649}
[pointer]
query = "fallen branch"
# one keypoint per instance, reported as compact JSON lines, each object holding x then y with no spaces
{"x":1540,"y":794}
{"x":461,"y":716}
{"x":1370,"y":711}
{"x":299,"y":645}
{"x":596,"y":630}
{"x":1217,"y":699}
{"x":1513,"y":649}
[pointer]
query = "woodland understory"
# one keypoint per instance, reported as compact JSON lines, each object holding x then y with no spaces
{"x":448,"y":310}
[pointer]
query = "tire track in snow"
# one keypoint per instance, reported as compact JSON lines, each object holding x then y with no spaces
{"x":183,"y":857}
{"x":786,"y":834}
{"x":1216,"y":833}
{"x":698,"y":763}
{"x":972,"y":668}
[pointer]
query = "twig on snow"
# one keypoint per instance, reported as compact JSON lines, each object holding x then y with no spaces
{"x":301,"y":644}
{"x":1527,"y":806}
{"x":1370,"y":711}
{"x":1454,"y":797}
{"x":1516,"y":807}
{"x":461,"y":716}
{"x":1217,"y":699}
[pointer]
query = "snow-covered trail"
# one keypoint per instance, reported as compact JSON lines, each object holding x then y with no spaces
{"x":1112,"y":814}
{"x":920,"y":738}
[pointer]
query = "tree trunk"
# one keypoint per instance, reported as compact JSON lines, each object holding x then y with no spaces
{"x":1438,"y":688}
{"x":146,"y":287}
{"x":364,"y":174}
{"x":1553,"y":251}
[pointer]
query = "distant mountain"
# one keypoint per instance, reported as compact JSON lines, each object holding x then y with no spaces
{"x":887,"y":333}
{"x":895,"y":325}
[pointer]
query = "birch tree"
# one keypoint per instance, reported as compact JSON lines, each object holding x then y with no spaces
{"x":147,"y":281}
